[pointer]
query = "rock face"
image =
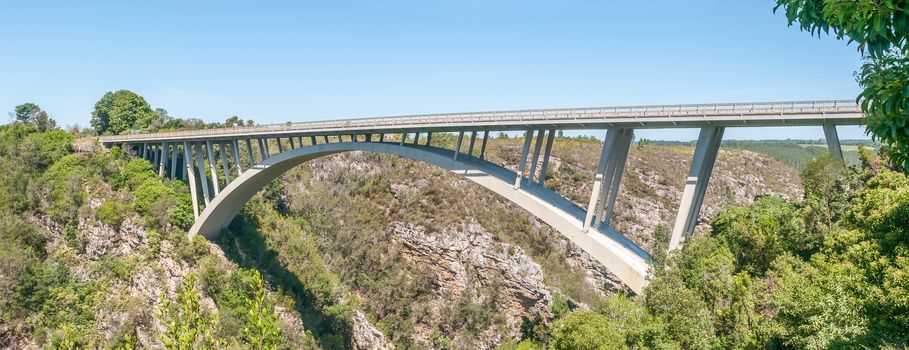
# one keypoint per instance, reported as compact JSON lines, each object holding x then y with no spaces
{"x":367,"y":337}
{"x":465,"y":259}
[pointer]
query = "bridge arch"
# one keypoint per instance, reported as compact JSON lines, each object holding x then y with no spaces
{"x":610,"y":248}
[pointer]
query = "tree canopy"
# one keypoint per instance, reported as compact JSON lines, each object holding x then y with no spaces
{"x":881,"y":29}
{"x":122,"y":111}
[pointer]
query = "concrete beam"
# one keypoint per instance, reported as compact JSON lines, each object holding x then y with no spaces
{"x":162,"y":161}
{"x":235,"y":147}
{"x":696,"y":184}
{"x":457,"y":149}
{"x":549,"y":139}
{"x":536,"y":155}
{"x":173,"y":162}
{"x":188,"y":170}
{"x":200,"y":164}
{"x":483,"y":145}
{"x":212,"y":164}
{"x":473,"y":139}
{"x":523,"y":164}
{"x":833,"y":141}
{"x":608,"y":144}
{"x":225,"y":165}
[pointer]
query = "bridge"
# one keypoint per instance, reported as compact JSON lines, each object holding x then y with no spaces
{"x":249,"y":157}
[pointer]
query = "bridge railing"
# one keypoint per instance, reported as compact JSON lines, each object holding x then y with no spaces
{"x":557,"y":114}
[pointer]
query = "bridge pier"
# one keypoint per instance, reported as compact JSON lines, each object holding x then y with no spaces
{"x":188,"y":171}
{"x":833,"y":140}
{"x":203,"y":179}
{"x":222,"y":152}
{"x":483,"y":145}
{"x":549,"y":139}
{"x":428,"y":138}
{"x":235,"y":147}
{"x":473,"y":139}
{"x":457,"y":149}
{"x":705,"y":154}
{"x":615,"y":167}
{"x":173,"y":162}
{"x":212,"y":165}
{"x":518,"y":179}
{"x":536,"y":155}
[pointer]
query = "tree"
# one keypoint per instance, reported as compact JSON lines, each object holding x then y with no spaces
{"x":881,"y":29}
{"x":121,"y":111}
{"x":186,"y":324}
{"x":30,"y":113}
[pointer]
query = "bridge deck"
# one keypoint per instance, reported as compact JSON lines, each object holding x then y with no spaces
{"x":840,"y":112}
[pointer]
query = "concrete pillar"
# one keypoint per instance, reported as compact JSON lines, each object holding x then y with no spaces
{"x":300,"y":139}
{"x":536,"y":155}
{"x":381,"y":137}
{"x":325,"y":138}
{"x":252,"y":159}
{"x":173,"y":162}
{"x":188,"y":170}
{"x":416,"y":138}
{"x":608,"y":144}
{"x":225,"y":165}
{"x":200,"y":164}
{"x":162,"y":159}
{"x":291,"y":140}
{"x":620,"y":159}
{"x":235,"y":146}
{"x":527,"y":137}
{"x":833,"y":140}
{"x":280,"y":146}
{"x":312,"y":140}
{"x":144,"y":151}
{"x":457,"y":149}
{"x":263,"y":148}
{"x":473,"y":139}
{"x":696,"y":184}
{"x":428,"y":138}
{"x":212,"y":166}
{"x":549,"y":138}
{"x":483,"y":145}
{"x":403,"y":137}
{"x":154,"y":157}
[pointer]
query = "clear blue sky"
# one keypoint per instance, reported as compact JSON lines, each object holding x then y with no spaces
{"x":297,"y":61}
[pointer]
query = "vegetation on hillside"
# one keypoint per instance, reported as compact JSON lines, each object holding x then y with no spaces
{"x":771,"y":275}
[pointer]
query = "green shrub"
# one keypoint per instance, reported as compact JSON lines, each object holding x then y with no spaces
{"x":112,"y":213}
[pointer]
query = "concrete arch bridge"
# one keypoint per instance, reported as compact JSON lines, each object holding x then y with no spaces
{"x":250,"y":157}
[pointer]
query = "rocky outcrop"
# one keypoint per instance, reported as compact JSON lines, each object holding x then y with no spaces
{"x":466,"y":259}
{"x":367,"y":337}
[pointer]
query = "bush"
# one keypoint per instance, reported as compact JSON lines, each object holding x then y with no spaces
{"x":112,"y":213}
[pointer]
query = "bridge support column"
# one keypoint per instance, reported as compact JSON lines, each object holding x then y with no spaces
{"x":312,"y":140}
{"x":538,"y":146}
{"x":381,"y":137}
{"x":483,"y":144}
{"x":188,"y":170}
{"x":615,"y":169}
{"x":235,"y":147}
{"x":222,"y":151}
{"x":263,"y":148}
{"x":144,"y":151}
{"x":173,"y":162}
{"x":457,"y":149}
{"x":428,"y":138}
{"x":608,"y":145}
{"x":833,"y":140}
{"x":154,"y":156}
{"x":212,"y":165}
{"x":403,"y":137}
{"x":292,"y":146}
{"x":523,"y":164}
{"x":203,"y":180}
{"x":549,"y":138}
{"x":473,"y":139}
{"x":325,"y":138}
{"x":416,"y":138}
{"x":252,"y":159}
{"x":280,"y":146}
{"x":696,"y":184}
{"x":162,"y":160}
